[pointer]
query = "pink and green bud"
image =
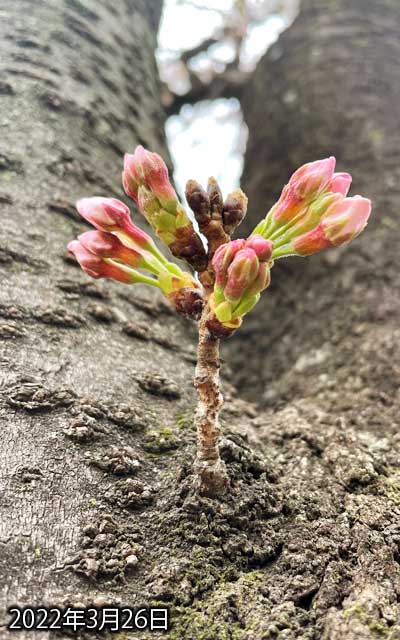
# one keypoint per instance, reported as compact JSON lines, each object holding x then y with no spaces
{"x":261,"y":281}
{"x":108,"y":245}
{"x":130,"y":180}
{"x":242,"y":271}
{"x":223,"y":257}
{"x":145,"y":178}
{"x":261,"y":247}
{"x":309,"y":183}
{"x":99,"y":267}
{"x":106,"y":214}
{"x":241,"y":274}
{"x":306,"y":184}
{"x":146,"y":168}
{"x":340,"y":183}
{"x":112,"y":215}
{"x":312,"y":178}
{"x":306,"y":220}
{"x":343,"y":222}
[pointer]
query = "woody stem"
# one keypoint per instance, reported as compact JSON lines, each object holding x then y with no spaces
{"x":211,"y":473}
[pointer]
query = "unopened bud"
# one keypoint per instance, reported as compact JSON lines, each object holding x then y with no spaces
{"x":312,"y":178}
{"x":146,"y":168}
{"x":112,"y":215}
{"x":235,"y":209}
{"x":107,"y":245}
{"x":241,"y":274}
{"x":261,"y":247}
{"x":223,"y":258}
{"x":342,"y":222}
{"x":106,"y":214}
{"x":340,"y":183}
{"x":199,"y":202}
{"x":97,"y":267}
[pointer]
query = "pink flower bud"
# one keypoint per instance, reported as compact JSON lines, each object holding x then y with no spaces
{"x":313,"y":178}
{"x":262,"y":280}
{"x":346,"y":219}
{"x":97,"y":267}
{"x":130,"y":179}
{"x":305,"y":184}
{"x":343,"y":221}
{"x":223,"y":258}
{"x":241,"y":274}
{"x":110,"y":214}
{"x":106,"y":214}
{"x":106,"y":245}
{"x":340,"y":183}
{"x":261,"y":247}
{"x":145,"y":167}
{"x":310,"y":242}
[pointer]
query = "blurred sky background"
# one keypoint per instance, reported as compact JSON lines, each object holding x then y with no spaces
{"x":209,"y":137}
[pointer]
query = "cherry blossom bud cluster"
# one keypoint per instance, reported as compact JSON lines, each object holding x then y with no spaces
{"x":145,"y":179}
{"x":242,"y":271}
{"x":118,"y":248}
{"x":314,"y":212}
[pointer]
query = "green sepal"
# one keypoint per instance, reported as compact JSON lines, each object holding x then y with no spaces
{"x":224,"y":312}
{"x":246,"y":304}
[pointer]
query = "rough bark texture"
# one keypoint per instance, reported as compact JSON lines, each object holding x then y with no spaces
{"x":321,"y":351}
{"x":96,"y":379}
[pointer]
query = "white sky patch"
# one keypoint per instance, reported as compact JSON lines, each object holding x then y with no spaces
{"x":209,"y":138}
{"x":259,"y":38}
{"x":183,"y":26}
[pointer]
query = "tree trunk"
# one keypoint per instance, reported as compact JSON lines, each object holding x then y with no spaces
{"x":321,"y":349}
{"x":78,"y":359}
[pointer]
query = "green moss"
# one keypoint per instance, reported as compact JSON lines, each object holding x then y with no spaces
{"x":378,"y":628}
{"x":213,"y":616}
{"x":161,"y":440}
{"x":208,"y":620}
{"x":185,"y":420}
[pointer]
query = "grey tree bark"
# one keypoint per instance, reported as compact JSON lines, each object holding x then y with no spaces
{"x":322,"y":345}
{"x":78,"y":87}
{"x":96,"y":396}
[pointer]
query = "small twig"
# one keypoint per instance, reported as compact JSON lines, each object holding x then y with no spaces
{"x":228,"y":84}
{"x":211,"y":473}
{"x":209,"y":210}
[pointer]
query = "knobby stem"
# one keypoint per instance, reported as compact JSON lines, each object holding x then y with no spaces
{"x":211,"y":473}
